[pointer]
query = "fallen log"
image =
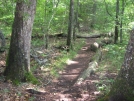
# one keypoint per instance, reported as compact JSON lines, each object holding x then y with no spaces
{"x":91,"y":36}
{"x":109,"y":34}
{"x":107,"y":41}
{"x":96,"y":45}
{"x":94,"y":61}
{"x":57,"y":35}
{"x":77,"y":36}
{"x":87,"y":73}
{"x":91,"y":68}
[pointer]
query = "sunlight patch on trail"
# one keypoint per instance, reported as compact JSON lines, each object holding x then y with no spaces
{"x":70,"y":62}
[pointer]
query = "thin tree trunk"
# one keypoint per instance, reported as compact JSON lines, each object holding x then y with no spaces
{"x":3,"y":42}
{"x":94,"y":13}
{"x":106,"y":6}
{"x":70,"y":24}
{"x":77,"y":16}
{"x":116,"y":22}
{"x":75,"y":20}
{"x":18,"y":61}
{"x":49,"y":23}
{"x":121,"y":23}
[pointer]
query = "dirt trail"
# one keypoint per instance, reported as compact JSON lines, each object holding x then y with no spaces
{"x":63,"y":88}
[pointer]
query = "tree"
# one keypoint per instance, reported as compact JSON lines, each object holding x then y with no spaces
{"x":116,"y":22}
{"x":121,"y":20}
{"x":75,"y":20}
{"x":3,"y":42}
{"x":94,"y":14}
{"x":123,"y":87}
{"x":70,"y":23}
{"x":18,"y":60}
{"x":55,"y":5}
{"x":106,"y":6}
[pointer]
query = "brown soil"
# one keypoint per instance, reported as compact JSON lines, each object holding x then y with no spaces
{"x":63,"y":88}
{"x":60,"y":89}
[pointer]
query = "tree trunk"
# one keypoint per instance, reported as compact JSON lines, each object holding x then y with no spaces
{"x":116,"y":22}
{"x":75,"y":20}
{"x":106,"y":6}
{"x":55,"y":4}
{"x":3,"y":42}
{"x":70,"y":24}
{"x":77,"y":16}
{"x":123,"y":87}
{"x":94,"y":14}
{"x":121,"y":22}
{"x":18,"y":61}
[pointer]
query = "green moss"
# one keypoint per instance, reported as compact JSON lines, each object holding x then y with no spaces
{"x":30,"y":78}
{"x":7,"y":60}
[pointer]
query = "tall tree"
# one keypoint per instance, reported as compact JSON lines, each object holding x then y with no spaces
{"x":70,"y":23}
{"x":123,"y":87}
{"x":55,"y":5}
{"x":116,"y":22}
{"x":93,"y":14}
{"x":121,"y":20}
{"x":18,"y":61}
{"x":75,"y":19}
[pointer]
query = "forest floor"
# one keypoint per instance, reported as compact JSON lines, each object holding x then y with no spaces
{"x":62,"y":88}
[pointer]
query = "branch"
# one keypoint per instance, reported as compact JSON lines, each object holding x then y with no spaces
{"x":107,"y":8}
{"x":52,"y":16}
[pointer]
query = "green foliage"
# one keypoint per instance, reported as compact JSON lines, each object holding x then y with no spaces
{"x":37,"y":42}
{"x":114,"y":55}
{"x":7,"y":9}
{"x":112,"y":59}
{"x":45,"y":10}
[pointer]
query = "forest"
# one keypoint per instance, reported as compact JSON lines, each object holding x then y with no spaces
{"x":66,"y":50}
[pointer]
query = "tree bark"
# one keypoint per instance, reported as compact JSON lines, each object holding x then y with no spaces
{"x":123,"y":86}
{"x":116,"y":22}
{"x":94,"y":14}
{"x":121,"y":22}
{"x":70,"y":24}
{"x":3,"y":42}
{"x":49,"y":23}
{"x":18,"y":61}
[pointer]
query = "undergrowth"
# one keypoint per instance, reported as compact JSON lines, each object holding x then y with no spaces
{"x":112,"y":60}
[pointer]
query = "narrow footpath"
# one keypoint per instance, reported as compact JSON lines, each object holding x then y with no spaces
{"x":63,"y":88}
